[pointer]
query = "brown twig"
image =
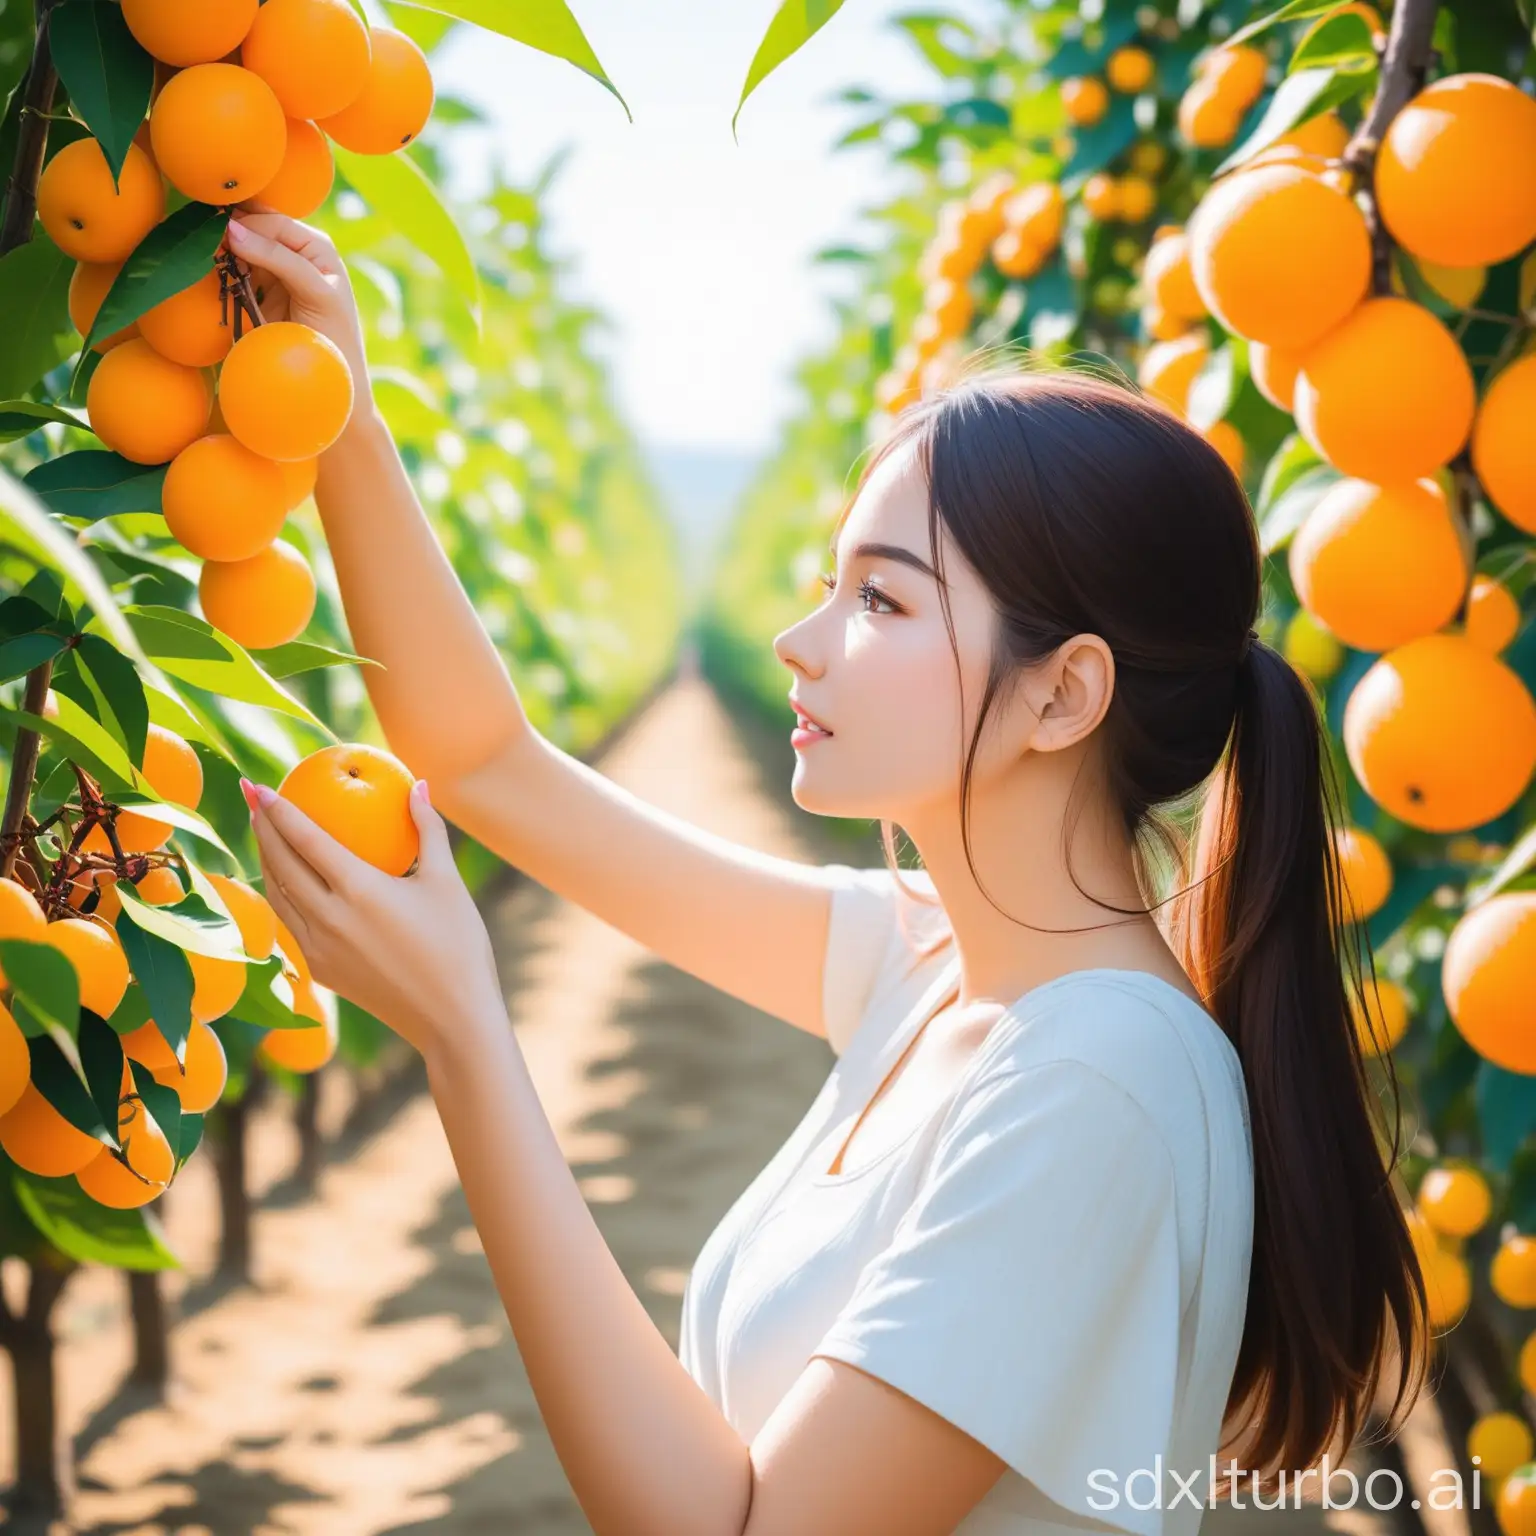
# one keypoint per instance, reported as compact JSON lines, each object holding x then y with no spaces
{"x":42,"y":80}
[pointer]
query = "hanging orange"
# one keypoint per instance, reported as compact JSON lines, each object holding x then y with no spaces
{"x":304,"y":180}
{"x":261,"y":602}
{"x":219,"y":133}
{"x":144,"y":406}
{"x":191,"y":327}
{"x":286,"y":391}
{"x":395,"y":103}
{"x":313,"y":53}
{"x":182,"y":32}
{"x":87,"y":290}
{"x":221,"y":501}
{"x":86,"y":215}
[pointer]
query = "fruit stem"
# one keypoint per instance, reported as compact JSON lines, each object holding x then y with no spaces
{"x":237,"y":283}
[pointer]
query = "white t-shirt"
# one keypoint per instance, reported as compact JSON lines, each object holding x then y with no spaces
{"x":1056,"y":1260}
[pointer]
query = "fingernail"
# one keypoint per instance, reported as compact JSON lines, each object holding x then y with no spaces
{"x":420,"y":788}
{"x":237,"y":230}
{"x":265,"y":795}
{"x":249,"y":791}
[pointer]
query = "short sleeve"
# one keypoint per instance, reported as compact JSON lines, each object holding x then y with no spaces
{"x":860,"y":935}
{"x":1031,"y":1293}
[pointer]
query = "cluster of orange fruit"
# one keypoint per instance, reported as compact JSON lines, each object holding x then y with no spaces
{"x":1227,"y":82}
{"x":247,"y":100}
{"x":357,"y":793}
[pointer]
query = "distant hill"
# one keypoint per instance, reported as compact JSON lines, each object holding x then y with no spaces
{"x":700,"y":488}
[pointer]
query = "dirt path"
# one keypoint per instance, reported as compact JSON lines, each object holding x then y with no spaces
{"x":368,"y":1381}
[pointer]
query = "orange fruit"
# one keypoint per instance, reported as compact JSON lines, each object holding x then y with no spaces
{"x":1015,"y":257}
{"x":307,"y":1049}
{"x":252,"y":913}
{"x":1448,"y":1283}
{"x":87,"y":289}
{"x":146,"y":1149}
{"x":174,"y":773}
{"x":38,"y":1138}
{"x":1456,"y":172}
{"x":396,"y":100}
{"x":313,"y":53}
{"x":1387,"y":395}
{"x":361,"y":796}
{"x":216,"y":985}
{"x":1274,"y":373}
{"x":144,"y":406}
{"x":1101,"y":197}
{"x":981,"y":220}
{"x":183,"y":32}
{"x":1487,"y":974}
{"x":304,"y":180}
{"x":1364,"y":870}
{"x":1169,"y":368}
{"x":15,"y":1061}
{"x":1279,"y":256}
{"x":219,"y":133}
{"x":1501,"y":443}
{"x":1493,"y":616}
{"x":221,"y":501}
{"x":1324,"y":136}
{"x":1084,"y":99}
{"x":1161,"y":326}
{"x":286,"y":391}
{"x":1036,"y":212}
{"x":1455,"y":1201}
{"x":951,"y":306}
{"x":299,"y":476}
{"x":20,"y":915}
{"x":264,"y":601}
{"x":1148,"y":157}
{"x":1409,"y":720}
{"x":1170,"y":280}
{"x":947,"y":256}
{"x":1513,"y":1271}
{"x":288,"y":948}
{"x":160,"y":887}
{"x":109,"y":1181}
{"x":1137,"y":197}
{"x":1528,"y":1363}
{"x":1228,"y":442}
{"x":1515,"y":1502}
{"x":96,"y":953}
{"x":86,"y":215}
{"x":1236,"y":74}
{"x":1385,"y":1022}
{"x":1379,"y":564}
{"x":1129,"y":70}
{"x":189,"y":327}
{"x":200,"y":1083}
{"x":896,"y":389}
{"x":1207,"y":120}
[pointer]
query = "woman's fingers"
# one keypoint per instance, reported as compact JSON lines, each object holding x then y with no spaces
{"x":314,"y":245}
{"x":334,"y":864}
{"x":299,"y":274}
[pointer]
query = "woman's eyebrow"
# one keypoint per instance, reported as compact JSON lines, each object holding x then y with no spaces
{"x":896,"y":552}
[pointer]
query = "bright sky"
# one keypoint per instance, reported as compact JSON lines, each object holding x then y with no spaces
{"x":699,"y":250}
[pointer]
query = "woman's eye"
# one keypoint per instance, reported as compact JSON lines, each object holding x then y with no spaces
{"x":871,"y":593}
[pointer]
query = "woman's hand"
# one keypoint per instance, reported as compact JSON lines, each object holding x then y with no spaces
{"x":301,"y":277}
{"x":412,"y":950}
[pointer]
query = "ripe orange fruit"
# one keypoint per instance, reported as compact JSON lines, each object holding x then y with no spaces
{"x":1101,"y":197}
{"x":1493,"y":616}
{"x":980,"y":220}
{"x":1365,"y":871}
{"x":1379,"y":565}
{"x":1512,"y":1273}
{"x":299,"y":476}
{"x":96,"y":953}
{"x":264,"y":601}
{"x":1170,"y":279}
{"x":1387,"y":395}
{"x":87,"y":289}
{"x":160,"y":887}
{"x":395,"y":102}
{"x":361,"y":796}
{"x":20,"y":915}
{"x":89,"y":218}
{"x":313,"y":53}
{"x":1084,"y":100}
{"x":1274,"y":373}
{"x":183,"y":32}
{"x":1036,"y":213}
{"x":1515,"y":1502}
{"x":219,"y":133}
{"x":1137,"y":197}
{"x":304,"y":180}
{"x":200,"y":1083}
{"x":1279,"y":256}
{"x":109,"y":1181}
{"x":144,"y":406}
{"x":1455,"y":1201}
{"x":286,"y":391}
{"x":1015,"y":257}
{"x":1228,"y":442}
{"x":308,"y":1049}
{"x":1486,"y":974}
{"x":1501,"y":443}
{"x":174,"y":773}
{"x":1169,"y":368}
{"x":15,"y":1061}
{"x":1129,"y":70}
{"x":1409,"y":719}
{"x":146,"y":1149}
{"x":1235,"y":74}
{"x":252,"y":913}
{"x":1383,"y":1024}
{"x":189,"y":327}
{"x":1324,"y":136}
{"x":1161,"y":326}
{"x":221,"y":501}
{"x":1207,"y":120}
{"x":951,"y":306}
{"x":38,"y":1138}
{"x":216,"y":985}
{"x":1456,"y":172}
{"x":1448,"y":1284}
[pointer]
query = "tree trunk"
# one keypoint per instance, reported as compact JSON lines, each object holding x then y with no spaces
{"x":151,"y":1352}
{"x":234,"y":1195}
{"x":307,"y":1118}
{"x":42,"y":1478}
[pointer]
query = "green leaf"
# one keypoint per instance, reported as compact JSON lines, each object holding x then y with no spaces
{"x":176,"y":253}
{"x":90,"y":1233}
{"x":189,"y":924}
{"x":268,"y":997}
{"x":59,"y":1079}
{"x":101,"y":1061}
{"x":1506,"y":1112}
{"x":42,"y":978}
{"x":1295,"y":10}
{"x":1297,"y":99}
{"x":21,"y":655}
{"x":1093,"y":148}
{"x":1515,"y":863}
{"x":108,"y":74}
{"x":1289,"y":509}
{"x":547,"y":25}
{"x":397,"y":189}
{"x":191,"y":650}
{"x":34,"y":313}
{"x":86,"y":741}
{"x":1211,"y":395}
{"x":305,"y":656}
{"x":93,"y":483}
{"x":191,"y":1134}
{"x":161,"y":967}
{"x":115,"y":681}
{"x":21,"y":418}
{"x":162,"y":1102}
{"x":1341,"y":42}
{"x":793,"y":25}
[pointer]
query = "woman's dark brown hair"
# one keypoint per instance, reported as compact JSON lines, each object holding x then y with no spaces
{"x":1085,"y":508}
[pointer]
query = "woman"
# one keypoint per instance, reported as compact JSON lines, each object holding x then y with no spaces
{"x":1082,"y":1201}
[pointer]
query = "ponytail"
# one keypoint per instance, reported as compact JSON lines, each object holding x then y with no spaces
{"x":1336,"y":1295}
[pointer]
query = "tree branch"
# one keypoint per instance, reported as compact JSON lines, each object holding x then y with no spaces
{"x":41,"y":81}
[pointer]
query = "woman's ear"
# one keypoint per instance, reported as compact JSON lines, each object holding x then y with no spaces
{"x":1077,"y":685}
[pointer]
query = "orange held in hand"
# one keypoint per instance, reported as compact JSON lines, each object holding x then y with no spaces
{"x":286,"y":391}
{"x":395,"y":103}
{"x":361,"y":796}
{"x":221,"y":501}
{"x":85,"y":214}
{"x":144,"y":406}
{"x":264,"y":601}
{"x":218,"y":133}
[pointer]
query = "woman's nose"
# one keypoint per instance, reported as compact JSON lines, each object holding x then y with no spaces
{"x":792,"y":648}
